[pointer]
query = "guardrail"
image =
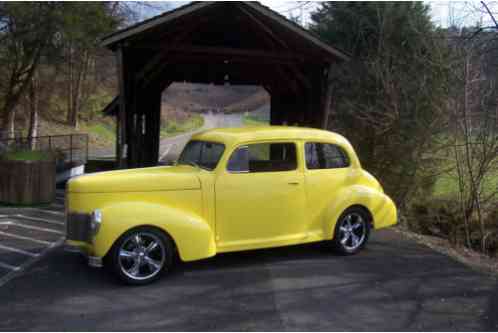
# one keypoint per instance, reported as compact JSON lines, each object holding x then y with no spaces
{"x":69,"y":148}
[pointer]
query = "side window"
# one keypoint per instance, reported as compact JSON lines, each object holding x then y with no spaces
{"x":210,"y":154}
{"x":263,"y":157}
{"x":325,"y":156}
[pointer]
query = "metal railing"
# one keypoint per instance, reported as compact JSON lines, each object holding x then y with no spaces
{"x":68,"y":148}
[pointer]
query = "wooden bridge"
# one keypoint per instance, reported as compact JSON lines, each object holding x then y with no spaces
{"x":236,"y":43}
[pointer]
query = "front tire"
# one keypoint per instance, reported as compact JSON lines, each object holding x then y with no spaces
{"x":141,"y":256}
{"x":351,"y":231}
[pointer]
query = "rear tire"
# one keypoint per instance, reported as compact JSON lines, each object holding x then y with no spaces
{"x":352,"y":231}
{"x":141,"y":256}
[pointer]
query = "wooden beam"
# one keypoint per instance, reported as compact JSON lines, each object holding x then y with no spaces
{"x":263,"y":26}
{"x":109,"y":40}
{"x":121,"y":117}
{"x":245,"y":53}
{"x":327,"y":99}
{"x":158,"y":58}
{"x":291,"y":26}
{"x":280,"y":41}
{"x":271,"y":41}
{"x":196,"y":73}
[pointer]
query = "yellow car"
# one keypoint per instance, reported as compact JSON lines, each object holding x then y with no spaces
{"x":230,"y":190}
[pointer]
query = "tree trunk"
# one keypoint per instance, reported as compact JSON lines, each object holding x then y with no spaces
{"x":17,"y":88}
{"x":78,"y":69}
{"x":33,"y":112}
{"x":9,"y":125}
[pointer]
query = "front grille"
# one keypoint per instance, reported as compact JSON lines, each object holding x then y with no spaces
{"x":78,"y":227}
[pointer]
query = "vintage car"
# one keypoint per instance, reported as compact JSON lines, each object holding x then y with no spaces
{"x":230,"y":190}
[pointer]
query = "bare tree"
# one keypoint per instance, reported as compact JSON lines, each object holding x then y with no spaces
{"x":26,"y":33}
{"x":474,"y":132}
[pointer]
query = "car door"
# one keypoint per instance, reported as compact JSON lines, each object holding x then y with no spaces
{"x":327,"y":171}
{"x":260,"y":197}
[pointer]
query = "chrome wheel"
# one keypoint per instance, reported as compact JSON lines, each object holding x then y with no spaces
{"x":352,"y":231}
{"x":141,"y":256}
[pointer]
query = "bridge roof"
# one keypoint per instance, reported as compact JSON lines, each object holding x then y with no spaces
{"x":171,"y":18}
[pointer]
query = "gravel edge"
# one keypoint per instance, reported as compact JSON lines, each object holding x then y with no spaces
{"x":475,"y":260}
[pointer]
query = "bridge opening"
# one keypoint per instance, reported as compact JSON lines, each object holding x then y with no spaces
{"x":187,"y":108}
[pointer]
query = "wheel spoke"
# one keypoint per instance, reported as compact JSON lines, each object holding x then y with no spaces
{"x":343,"y":229}
{"x":137,"y":240}
{"x":357,"y":225}
{"x":126,"y":254}
{"x":355,"y":240}
{"x":345,"y":238}
{"x":348,"y":220}
{"x":153,"y":245}
{"x":135,"y":269}
{"x":154,"y":265}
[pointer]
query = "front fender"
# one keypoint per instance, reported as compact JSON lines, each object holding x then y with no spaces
{"x":380,"y":206}
{"x":191,"y":233}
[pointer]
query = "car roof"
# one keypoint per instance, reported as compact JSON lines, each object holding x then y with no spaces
{"x":257,"y":133}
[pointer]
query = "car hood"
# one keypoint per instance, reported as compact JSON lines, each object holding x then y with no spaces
{"x":164,"y":178}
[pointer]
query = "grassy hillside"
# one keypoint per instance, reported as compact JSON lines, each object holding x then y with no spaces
{"x":204,"y":97}
{"x":251,"y":102}
{"x":180,"y":113}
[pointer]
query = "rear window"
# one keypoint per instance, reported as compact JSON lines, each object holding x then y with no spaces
{"x":325,"y":156}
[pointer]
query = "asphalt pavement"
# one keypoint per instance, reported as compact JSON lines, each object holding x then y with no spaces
{"x":27,"y":234}
{"x":394,"y":284}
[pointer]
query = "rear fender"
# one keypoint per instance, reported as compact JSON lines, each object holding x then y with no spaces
{"x":380,"y":206}
{"x":192,"y":235}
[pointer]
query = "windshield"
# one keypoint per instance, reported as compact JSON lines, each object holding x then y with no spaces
{"x":203,"y":154}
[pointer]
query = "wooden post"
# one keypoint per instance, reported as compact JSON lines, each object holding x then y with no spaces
{"x":121,"y":116}
{"x":327,"y":99}
{"x":276,"y":110}
{"x":151,"y":138}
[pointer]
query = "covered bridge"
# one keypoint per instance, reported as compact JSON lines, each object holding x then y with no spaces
{"x":236,"y":43}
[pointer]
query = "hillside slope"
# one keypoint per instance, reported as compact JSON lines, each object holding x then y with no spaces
{"x":204,"y":97}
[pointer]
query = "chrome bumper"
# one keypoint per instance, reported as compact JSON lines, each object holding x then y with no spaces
{"x":96,"y":262}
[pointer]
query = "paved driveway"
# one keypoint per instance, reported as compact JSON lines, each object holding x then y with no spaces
{"x":394,"y":284}
{"x":27,"y":234}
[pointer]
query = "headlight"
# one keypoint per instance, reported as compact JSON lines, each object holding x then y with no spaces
{"x":96,"y":220}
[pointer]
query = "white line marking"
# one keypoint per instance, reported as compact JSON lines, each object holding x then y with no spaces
{"x":8,"y":234}
{"x":163,"y":155}
{"x":12,"y":268}
{"x":38,"y":219}
{"x":12,"y":249}
{"x":9,"y":276}
{"x":20,"y":225}
{"x":47,"y":211}
{"x":57,"y":205}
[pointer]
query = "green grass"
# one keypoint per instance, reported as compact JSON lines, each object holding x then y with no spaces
{"x":447,"y":185}
{"x":107,"y":132}
{"x":104,"y":131}
{"x":172,"y":127}
{"x":28,"y":156}
{"x":250,"y":120}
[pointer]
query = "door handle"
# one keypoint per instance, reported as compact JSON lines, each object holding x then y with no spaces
{"x":293,"y":183}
